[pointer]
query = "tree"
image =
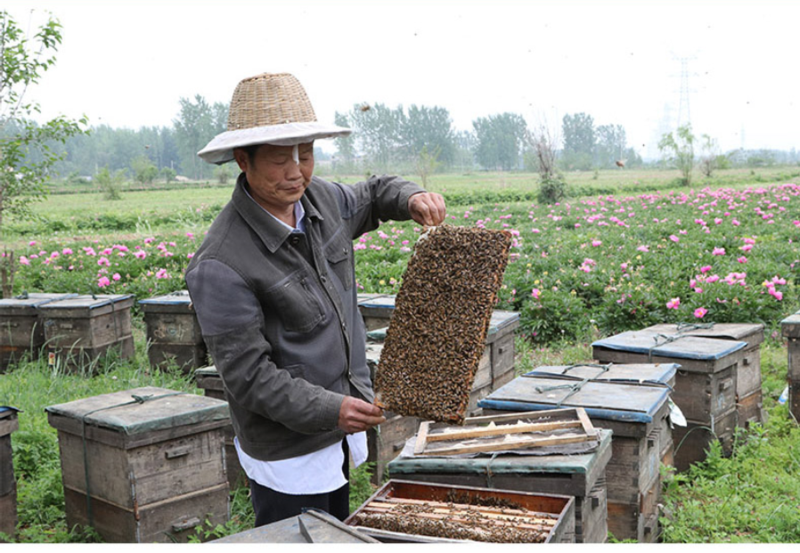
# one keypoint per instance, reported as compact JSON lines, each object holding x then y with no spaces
{"x":427,"y":163}
{"x":579,"y":141}
{"x":679,"y":150}
{"x":377,"y":132}
{"x":110,"y":183}
{"x":709,"y":157}
{"x":430,"y":129}
{"x":26,"y":148}
{"x":611,"y":145}
{"x":500,"y":139}
{"x":345,"y":145}
{"x":144,"y":172}
{"x":197,"y":123}
{"x":552,"y":186}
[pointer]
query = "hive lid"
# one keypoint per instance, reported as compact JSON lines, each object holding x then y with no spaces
{"x":88,"y":301}
{"x":180,"y":297}
{"x":142,"y":410}
{"x":752,"y":333}
{"x":32,"y":300}
{"x":8,"y":411}
{"x":633,"y":373}
{"x":603,"y":400}
{"x":685,"y":347}
{"x":207,"y":371}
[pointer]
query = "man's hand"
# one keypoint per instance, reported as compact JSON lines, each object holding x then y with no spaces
{"x":356,"y":415}
{"x":427,"y":208}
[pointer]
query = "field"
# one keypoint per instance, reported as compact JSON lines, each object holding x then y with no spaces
{"x":628,"y":250}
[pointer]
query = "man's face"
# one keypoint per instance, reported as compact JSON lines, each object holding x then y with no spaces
{"x":276,"y":180}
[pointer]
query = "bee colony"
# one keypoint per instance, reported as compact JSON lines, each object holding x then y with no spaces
{"x":435,"y":342}
{"x":405,"y":511}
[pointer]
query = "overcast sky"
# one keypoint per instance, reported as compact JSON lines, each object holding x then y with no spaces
{"x":126,"y":64}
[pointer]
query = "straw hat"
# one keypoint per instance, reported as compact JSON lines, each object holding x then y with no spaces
{"x":268,"y":109}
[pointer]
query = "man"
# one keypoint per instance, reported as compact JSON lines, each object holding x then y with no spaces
{"x":273,"y":286}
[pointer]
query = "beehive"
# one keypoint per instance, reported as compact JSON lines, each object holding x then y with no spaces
{"x":790,"y":329}
{"x":436,"y":338}
{"x":748,"y":374}
{"x":464,"y":513}
{"x":209,"y":380}
{"x":21,"y":327}
{"x":495,"y":369}
{"x":580,"y":475}
{"x":81,"y":329}
{"x":143,"y":465}
{"x":637,"y":416}
{"x":705,"y":385}
{"x":173,"y":333}
{"x":8,"y":483}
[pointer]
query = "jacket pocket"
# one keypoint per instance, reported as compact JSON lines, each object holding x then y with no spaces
{"x":338,"y":255}
{"x":297,"y":306}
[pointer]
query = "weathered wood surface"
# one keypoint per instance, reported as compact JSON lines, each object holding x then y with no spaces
{"x":7,"y":480}
{"x":173,"y":331}
{"x":600,"y":399}
{"x":573,"y":475}
{"x":561,"y":507}
{"x":84,"y":321}
{"x":147,"y":474}
{"x":172,"y":520}
{"x":750,"y":410}
{"x":793,"y":346}
{"x":790,"y":326}
{"x":634,"y":463}
{"x":8,"y":512}
{"x":751,"y":333}
{"x":633,"y":373}
{"x":636,"y":520}
{"x":693,"y":354}
{"x":703,"y":395}
{"x":693,"y":440}
{"x":309,"y":527}
{"x":591,"y":515}
{"x":386,"y":441}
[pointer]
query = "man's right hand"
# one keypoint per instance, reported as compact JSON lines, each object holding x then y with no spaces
{"x":356,"y":415}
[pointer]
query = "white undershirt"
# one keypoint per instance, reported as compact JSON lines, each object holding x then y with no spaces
{"x":312,"y":473}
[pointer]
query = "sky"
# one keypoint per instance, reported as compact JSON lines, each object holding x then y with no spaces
{"x":127,"y":64}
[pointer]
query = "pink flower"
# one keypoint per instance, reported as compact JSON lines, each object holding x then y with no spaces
{"x":712,"y":279}
{"x":67,"y":251}
{"x":536,"y":294}
{"x":54,"y":255}
{"x":32,"y":243}
{"x":700,"y":312}
{"x":103,"y":261}
{"x":774,"y":293}
{"x":674,"y":238}
{"x":189,"y":255}
{"x":24,"y":260}
{"x":746,"y":248}
{"x":189,"y":235}
{"x":141,"y":254}
{"x":742,"y":259}
{"x":148,"y":240}
{"x":674,"y":303}
{"x":718,"y":251}
{"x":102,"y":282}
{"x":644,"y":249}
{"x":89,"y":251}
{"x":596,"y":243}
{"x":116,"y":276}
{"x":705,"y":268}
{"x":162,"y":273}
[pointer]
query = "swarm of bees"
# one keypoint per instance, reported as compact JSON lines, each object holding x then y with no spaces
{"x":438,"y":331}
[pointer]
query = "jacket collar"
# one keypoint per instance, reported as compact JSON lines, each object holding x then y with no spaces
{"x":268,"y":229}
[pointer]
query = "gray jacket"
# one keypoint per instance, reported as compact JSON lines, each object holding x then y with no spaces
{"x":279,"y":314}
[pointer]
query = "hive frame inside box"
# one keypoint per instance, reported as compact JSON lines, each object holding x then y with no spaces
{"x":580,"y":475}
{"x":144,"y":484}
{"x":639,"y":443}
{"x":564,"y":506}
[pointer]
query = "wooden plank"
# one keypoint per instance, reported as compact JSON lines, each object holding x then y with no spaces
{"x":504,"y":429}
{"x":422,"y":436}
{"x":510,"y":444}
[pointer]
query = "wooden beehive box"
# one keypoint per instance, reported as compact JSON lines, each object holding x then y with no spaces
{"x":748,"y":375}
{"x":580,"y":475}
{"x":21,"y":327}
{"x":173,"y":333}
{"x":81,"y":329}
{"x":143,"y":465}
{"x":309,"y":527}
{"x":790,"y":330}
{"x":209,"y":380}
{"x":559,"y":510}
{"x":8,"y":483}
{"x":635,"y":413}
{"x":705,"y":386}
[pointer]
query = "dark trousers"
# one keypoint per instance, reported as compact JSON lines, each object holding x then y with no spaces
{"x":272,"y":506}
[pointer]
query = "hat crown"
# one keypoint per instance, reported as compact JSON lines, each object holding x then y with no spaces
{"x":269,"y":99}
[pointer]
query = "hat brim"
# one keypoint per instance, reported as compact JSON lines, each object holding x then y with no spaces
{"x":220,"y":149}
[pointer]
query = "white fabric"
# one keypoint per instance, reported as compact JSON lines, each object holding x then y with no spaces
{"x":220,"y":149}
{"x":313,"y":473}
{"x":317,"y":472}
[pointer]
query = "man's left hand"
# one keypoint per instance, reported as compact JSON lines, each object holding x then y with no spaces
{"x":427,"y":208}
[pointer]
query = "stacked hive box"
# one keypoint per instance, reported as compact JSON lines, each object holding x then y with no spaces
{"x":495,"y":369}
{"x":209,"y":380}
{"x":749,"y":399}
{"x":143,"y":465}
{"x":635,"y":409}
{"x":8,"y":484}
{"x":705,"y":386}
{"x":790,"y":329}
{"x":173,"y":333}
{"x":21,"y":327}
{"x":580,"y":475}
{"x":79,"y":330}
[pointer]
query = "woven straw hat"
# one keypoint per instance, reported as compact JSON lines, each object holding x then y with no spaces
{"x":268,"y":109}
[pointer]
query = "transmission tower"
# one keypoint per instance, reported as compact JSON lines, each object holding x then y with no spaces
{"x":684,"y":113}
